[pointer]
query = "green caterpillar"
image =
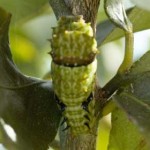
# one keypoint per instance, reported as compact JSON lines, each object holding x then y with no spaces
{"x":73,"y":72}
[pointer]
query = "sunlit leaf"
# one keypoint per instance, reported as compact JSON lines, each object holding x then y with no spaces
{"x":103,"y":133}
{"x":22,"y":48}
{"x":124,"y":135}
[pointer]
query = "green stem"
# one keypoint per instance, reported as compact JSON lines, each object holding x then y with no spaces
{"x":128,"y":58}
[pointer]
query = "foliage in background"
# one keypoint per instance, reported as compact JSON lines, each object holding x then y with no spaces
{"x":29,"y":63}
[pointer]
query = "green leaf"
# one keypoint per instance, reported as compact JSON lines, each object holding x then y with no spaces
{"x":26,"y":104}
{"x":135,"y":100}
{"x":124,"y":135}
{"x":107,"y":32}
{"x":21,"y":9}
{"x":134,"y":96}
{"x":142,"y":65}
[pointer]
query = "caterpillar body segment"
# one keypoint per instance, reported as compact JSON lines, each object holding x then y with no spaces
{"x":73,"y":44}
{"x":73,"y":72}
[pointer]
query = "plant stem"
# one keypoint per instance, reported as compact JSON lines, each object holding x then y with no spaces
{"x":128,"y":58}
{"x":81,"y":142}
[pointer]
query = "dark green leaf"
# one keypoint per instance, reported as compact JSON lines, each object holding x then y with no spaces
{"x":107,"y":32}
{"x":134,"y":97}
{"x":138,"y":68}
{"x":142,"y":65}
{"x":26,"y":104}
{"x":124,"y":135}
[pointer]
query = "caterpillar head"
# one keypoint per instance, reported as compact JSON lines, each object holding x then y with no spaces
{"x":72,"y":42}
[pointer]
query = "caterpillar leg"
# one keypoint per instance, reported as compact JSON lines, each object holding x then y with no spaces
{"x":86,"y":103}
{"x":80,"y":118}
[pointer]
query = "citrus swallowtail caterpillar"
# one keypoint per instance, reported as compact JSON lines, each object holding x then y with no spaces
{"x":73,"y":70}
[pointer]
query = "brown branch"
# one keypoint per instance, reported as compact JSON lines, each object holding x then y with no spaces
{"x":87,"y":8}
{"x":60,"y":8}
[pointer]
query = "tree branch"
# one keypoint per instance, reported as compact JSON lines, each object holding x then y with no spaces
{"x":60,"y":8}
{"x":87,"y":8}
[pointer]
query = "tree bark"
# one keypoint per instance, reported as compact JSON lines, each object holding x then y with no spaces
{"x":81,"y":142}
{"x":78,"y":142}
{"x":60,"y":8}
{"x":87,"y":8}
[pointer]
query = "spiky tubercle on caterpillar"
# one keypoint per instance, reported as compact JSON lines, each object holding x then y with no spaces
{"x":73,"y":70}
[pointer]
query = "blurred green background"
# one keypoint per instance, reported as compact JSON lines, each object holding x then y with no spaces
{"x":29,"y":33}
